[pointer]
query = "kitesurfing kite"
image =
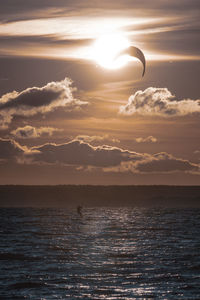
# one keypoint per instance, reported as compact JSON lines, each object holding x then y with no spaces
{"x":137,"y":53}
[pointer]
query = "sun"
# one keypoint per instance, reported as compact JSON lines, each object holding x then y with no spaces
{"x":106,"y":49}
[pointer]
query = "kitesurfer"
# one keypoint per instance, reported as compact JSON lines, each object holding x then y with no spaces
{"x":79,"y":210}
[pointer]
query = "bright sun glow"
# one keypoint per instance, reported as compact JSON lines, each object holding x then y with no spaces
{"x":106,"y":49}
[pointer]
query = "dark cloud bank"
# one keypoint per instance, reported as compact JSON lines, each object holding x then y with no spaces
{"x":83,"y":156}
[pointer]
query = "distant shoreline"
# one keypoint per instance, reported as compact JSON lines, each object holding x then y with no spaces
{"x":99,"y":195}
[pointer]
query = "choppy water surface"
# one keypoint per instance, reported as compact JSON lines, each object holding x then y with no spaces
{"x":109,"y":253}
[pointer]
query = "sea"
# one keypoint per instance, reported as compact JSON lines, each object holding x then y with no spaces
{"x":105,"y":253}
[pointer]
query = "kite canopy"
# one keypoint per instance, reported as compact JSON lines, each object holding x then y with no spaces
{"x":135,"y":52}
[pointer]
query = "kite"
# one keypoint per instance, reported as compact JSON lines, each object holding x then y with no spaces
{"x":135,"y":52}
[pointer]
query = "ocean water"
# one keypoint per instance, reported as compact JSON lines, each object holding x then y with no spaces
{"x":108,"y":253}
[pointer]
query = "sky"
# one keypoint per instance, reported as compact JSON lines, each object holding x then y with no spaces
{"x":70,"y":114}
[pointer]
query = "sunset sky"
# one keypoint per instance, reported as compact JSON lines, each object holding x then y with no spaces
{"x":69,"y":115}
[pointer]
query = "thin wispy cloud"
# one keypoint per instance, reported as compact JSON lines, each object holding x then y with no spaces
{"x":23,"y":9}
{"x":33,"y":21}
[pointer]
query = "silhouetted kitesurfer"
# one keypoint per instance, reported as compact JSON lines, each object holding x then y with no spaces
{"x":79,"y":210}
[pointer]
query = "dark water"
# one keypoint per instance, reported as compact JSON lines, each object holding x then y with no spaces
{"x":109,"y":253}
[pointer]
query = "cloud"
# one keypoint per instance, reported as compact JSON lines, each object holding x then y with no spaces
{"x":148,"y":139}
{"x":164,"y":163}
{"x":23,"y":9}
{"x":96,"y":139}
{"x":37,"y":42}
{"x":10,"y":150}
{"x":172,"y":23}
{"x":110,"y":159}
{"x":158,"y":102}
{"x":33,"y":132}
{"x":83,"y":156}
{"x":157,"y":163}
{"x":38,"y":100}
